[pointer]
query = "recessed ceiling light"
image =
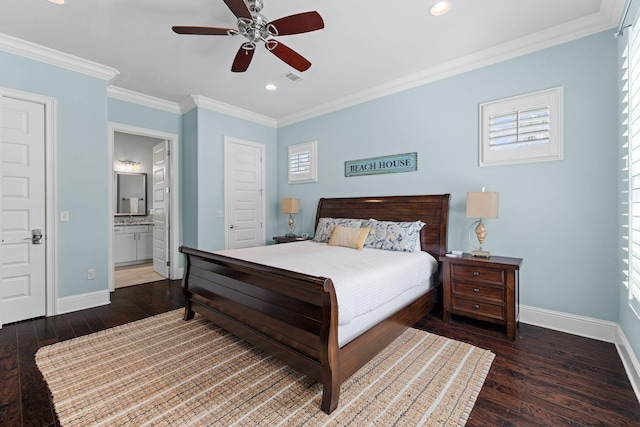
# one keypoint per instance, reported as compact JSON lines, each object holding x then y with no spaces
{"x":57,"y":1}
{"x":440,"y":8}
{"x":271,"y":86}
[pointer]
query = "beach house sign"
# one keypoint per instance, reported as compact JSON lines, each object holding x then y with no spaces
{"x":397,"y":163}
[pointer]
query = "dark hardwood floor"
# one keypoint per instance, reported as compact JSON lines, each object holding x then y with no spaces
{"x":543,"y":378}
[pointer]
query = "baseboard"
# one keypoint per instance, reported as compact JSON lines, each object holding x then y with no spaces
{"x":82,"y":301}
{"x":629,"y":360}
{"x":570,"y":323}
{"x":590,"y":328}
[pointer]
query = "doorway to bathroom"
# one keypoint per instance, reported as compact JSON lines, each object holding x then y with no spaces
{"x":144,"y":200}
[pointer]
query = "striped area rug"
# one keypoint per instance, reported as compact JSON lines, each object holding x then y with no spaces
{"x":163,"y":371}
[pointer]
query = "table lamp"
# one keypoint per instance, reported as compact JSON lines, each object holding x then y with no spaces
{"x":481,"y":205}
{"x":290,"y":206}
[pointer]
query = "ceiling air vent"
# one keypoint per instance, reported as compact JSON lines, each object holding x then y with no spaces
{"x":293,"y":77}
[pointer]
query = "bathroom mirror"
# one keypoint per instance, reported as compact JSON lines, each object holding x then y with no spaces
{"x":131,"y":193}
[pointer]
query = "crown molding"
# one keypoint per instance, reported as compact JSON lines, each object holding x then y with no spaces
{"x":54,"y":57}
{"x":211,"y":104}
{"x":142,"y":99}
{"x":187,"y":104}
{"x":605,"y":19}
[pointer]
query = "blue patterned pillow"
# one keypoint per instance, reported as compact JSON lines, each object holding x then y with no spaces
{"x":326,"y":225}
{"x":393,"y":236}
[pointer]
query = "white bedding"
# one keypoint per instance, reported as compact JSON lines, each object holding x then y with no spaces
{"x":363,"y":279}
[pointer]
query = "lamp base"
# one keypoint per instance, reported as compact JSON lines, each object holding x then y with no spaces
{"x":480,"y":254}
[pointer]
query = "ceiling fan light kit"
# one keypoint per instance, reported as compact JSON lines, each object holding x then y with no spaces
{"x":258,"y":29}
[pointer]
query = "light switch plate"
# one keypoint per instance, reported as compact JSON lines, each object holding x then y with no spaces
{"x":64,"y":216}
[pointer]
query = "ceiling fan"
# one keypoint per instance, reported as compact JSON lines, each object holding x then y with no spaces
{"x":256,"y":28}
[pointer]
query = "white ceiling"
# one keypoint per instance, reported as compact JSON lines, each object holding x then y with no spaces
{"x":366,"y":49}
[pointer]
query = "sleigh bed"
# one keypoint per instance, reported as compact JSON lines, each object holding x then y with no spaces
{"x":294,"y":316}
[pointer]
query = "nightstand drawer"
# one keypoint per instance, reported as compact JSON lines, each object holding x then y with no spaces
{"x":478,"y":291}
{"x":478,"y":308}
{"x":485,"y":274}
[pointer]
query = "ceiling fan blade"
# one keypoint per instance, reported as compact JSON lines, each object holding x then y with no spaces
{"x":296,"y":24}
{"x":242,"y":60}
{"x":239,"y":8}
{"x":288,"y":55}
{"x":206,"y":31}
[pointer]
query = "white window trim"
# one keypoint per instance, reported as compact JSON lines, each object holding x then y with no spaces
{"x":311,"y":175}
{"x":553,"y":98}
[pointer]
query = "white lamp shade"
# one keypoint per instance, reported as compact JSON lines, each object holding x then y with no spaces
{"x":482,"y":205}
{"x":290,"y":205}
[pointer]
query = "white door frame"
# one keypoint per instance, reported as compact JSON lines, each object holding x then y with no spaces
{"x":175,"y":271}
{"x":51,"y":225}
{"x":232,"y":140}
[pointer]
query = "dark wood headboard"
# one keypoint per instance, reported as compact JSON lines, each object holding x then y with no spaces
{"x":433,"y":210}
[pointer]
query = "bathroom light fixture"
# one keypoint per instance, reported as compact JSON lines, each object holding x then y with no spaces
{"x":129,"y":165}
{"x":271,"y":86}
{"x":440,"y":8}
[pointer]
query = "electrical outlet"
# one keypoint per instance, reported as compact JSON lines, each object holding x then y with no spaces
{"x":91,"y":274}
{"x":64,"y":216}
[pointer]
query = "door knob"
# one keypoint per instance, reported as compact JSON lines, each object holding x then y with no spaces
{"x":36,"y":236}
{"x":231,"y":226}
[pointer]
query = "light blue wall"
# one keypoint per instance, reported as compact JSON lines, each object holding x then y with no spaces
{"x":212,"y":127}
{"x":628,"y":318}
{"x":81,"y":166}
{"x":560,"y":217}
{"x":128,"y":113}
{"x":189,"y":190}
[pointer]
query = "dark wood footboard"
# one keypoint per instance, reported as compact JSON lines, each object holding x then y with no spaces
{"x":289,"y":315}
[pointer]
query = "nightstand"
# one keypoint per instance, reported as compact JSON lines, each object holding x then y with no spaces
{"x":482,"y":288}
{"x":285,"y":239}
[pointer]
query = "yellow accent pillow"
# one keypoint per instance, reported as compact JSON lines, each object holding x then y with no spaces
{"x":348,"y":237}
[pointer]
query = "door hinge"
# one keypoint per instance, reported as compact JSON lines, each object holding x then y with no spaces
{"x":168,"y":263}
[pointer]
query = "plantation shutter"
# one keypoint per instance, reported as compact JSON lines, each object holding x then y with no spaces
{"x":631,"y":67}
{"x":300,"y":162}
{"x":519,"y":128}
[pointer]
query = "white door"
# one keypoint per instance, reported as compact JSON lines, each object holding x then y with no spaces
{"x":244,"y":176}
{"x":161,"y":209}
{"x":22,"y":160}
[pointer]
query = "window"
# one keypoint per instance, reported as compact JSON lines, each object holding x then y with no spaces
{"x":302,"y":163}
{"x":631,"y":161}
{"x":526,"y":128}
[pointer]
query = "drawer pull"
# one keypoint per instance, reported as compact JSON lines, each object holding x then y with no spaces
{"x":476,"y":290}
{"x":476,"y":273}
{"x":476,"y":306}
